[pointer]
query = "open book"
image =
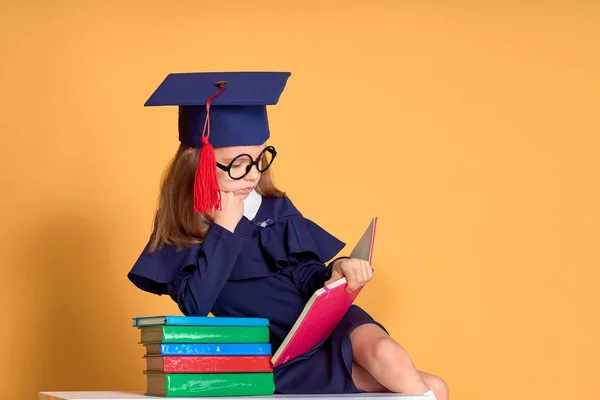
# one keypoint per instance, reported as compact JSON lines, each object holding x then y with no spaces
{"x":324,"y":309}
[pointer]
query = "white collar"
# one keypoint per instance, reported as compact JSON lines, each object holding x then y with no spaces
{"x":252,"y":204}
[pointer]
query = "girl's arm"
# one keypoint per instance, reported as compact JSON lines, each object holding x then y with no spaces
{"x":311,"y":277}
{"x":196,"y":287}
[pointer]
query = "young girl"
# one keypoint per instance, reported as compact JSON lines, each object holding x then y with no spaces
{"x":227,"y":241}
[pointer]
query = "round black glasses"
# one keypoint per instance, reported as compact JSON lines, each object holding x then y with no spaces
{"x":242,"y":164}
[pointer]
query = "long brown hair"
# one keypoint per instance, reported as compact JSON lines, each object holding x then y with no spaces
{"x":175,"y":222}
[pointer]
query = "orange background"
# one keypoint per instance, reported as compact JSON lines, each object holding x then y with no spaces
{"x":470,"y":129}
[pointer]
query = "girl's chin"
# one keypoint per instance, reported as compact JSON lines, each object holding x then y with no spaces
{"x":243,"y":192}
{"x":242,"y":195}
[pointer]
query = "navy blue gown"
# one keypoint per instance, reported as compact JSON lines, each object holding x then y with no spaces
{"x":262,"y":271}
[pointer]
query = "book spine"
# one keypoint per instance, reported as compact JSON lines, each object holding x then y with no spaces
{"x":216,"y":321}
{"x":216,"y":364}
{"x":214,"y":334}
{"x":207,"y":385}
{"x":215,"y":349}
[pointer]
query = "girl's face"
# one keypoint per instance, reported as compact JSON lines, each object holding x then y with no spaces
{"x":241,"y":187}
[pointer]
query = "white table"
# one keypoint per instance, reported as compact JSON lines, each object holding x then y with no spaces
{"x":139,"y":395}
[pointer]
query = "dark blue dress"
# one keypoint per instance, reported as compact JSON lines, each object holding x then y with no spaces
{"x":262,"y":271}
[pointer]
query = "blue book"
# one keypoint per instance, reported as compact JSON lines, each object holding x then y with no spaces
{"x":173,"y":349}
{"x":198,"y":321}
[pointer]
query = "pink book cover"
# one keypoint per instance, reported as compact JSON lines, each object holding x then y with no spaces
{"x":324,"y":309}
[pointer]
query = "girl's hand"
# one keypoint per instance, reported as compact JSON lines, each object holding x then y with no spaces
{"x":356,"y":271}
{"x":232,"y":211}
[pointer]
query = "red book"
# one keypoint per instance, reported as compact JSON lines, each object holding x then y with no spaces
{"x":208,"y":364}
{"x":325,"y":309}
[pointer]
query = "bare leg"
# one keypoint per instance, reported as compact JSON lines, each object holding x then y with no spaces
{"x":364,"y":381}
{"x":390,"y":367}
{"x":437,"y":385}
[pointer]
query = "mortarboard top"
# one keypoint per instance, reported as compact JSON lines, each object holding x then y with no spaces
{"x":238,"y":116}
{"x":219,"y":109}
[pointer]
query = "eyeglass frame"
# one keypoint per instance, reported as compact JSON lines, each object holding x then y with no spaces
{"x":269,"y":149}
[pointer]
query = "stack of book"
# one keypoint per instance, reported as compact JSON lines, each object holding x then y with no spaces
{"x":206,"y":356}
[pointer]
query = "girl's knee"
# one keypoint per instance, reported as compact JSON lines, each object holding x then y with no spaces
{"x":385,"y":349}
{"x":371,"y":345}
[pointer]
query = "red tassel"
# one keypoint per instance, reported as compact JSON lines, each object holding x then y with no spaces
{"x":207,"y":195}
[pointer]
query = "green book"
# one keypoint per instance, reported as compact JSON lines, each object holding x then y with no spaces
{"x":209,"y":385}
{"x":204,"y":334}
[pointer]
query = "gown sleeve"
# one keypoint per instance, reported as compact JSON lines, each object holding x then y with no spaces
{"x":193,"y":277}
{"x":312,"y":276}
{"x":315,"y":246}
{"x":197,"y":286}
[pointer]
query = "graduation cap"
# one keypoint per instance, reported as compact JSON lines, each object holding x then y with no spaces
{"x":219,"y":109}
